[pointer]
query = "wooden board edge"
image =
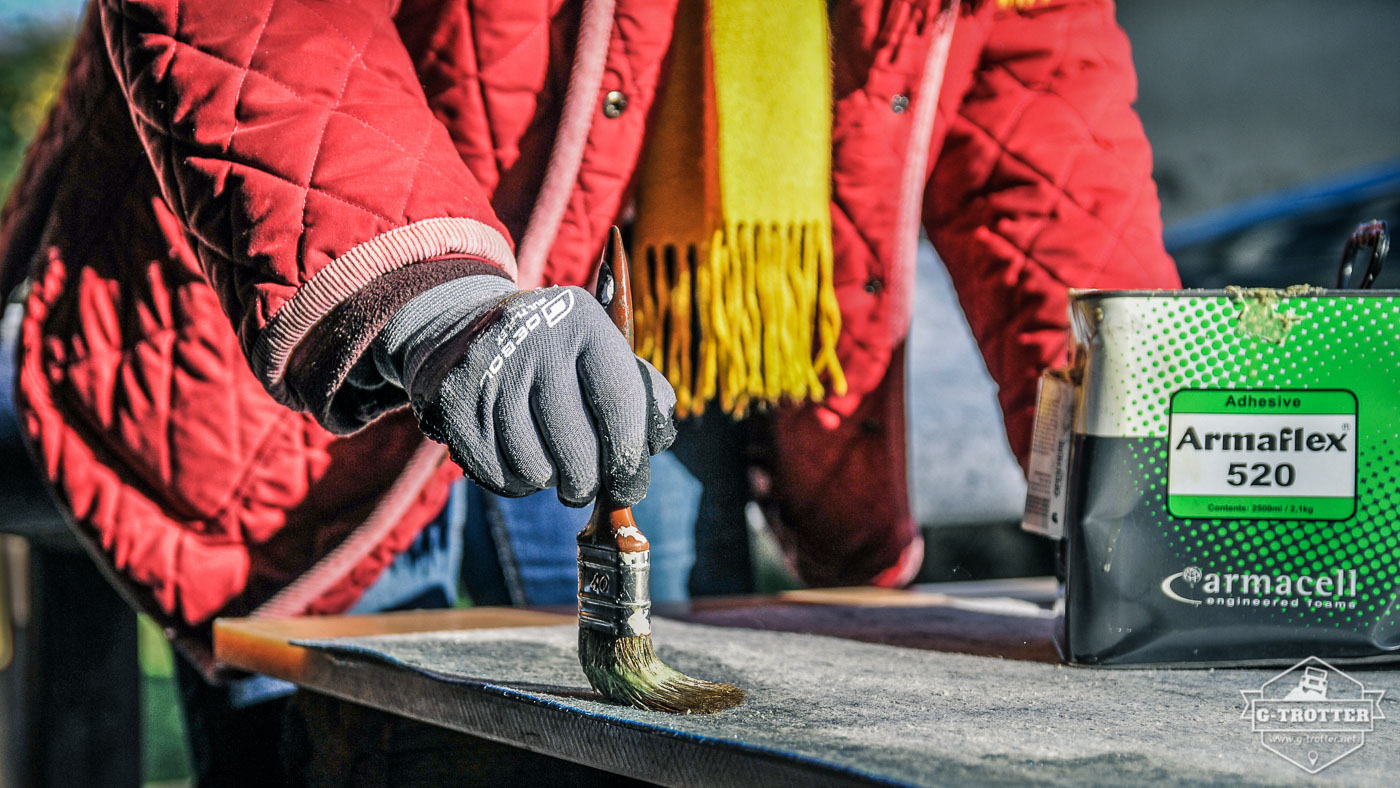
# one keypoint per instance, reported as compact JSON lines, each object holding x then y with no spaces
{"x":264,"y":645}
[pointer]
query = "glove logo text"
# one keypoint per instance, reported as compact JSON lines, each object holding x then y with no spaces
{"x":548,"y":311}
{"x":558,"y":308}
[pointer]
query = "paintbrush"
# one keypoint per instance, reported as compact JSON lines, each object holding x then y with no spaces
{"x":614,"y":571}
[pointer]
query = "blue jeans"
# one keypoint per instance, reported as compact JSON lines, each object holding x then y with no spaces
{"x":522,"y":551}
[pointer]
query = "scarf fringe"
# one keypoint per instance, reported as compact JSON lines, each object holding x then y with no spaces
{"x":750,"y":318}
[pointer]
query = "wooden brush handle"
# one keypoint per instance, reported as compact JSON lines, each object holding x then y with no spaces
{"x":614,"y":528}
{"x":612,"y":285}
{"x":610,"y":524}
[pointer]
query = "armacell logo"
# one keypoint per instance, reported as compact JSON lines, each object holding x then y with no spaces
{"x":1192,"y":586}
{"x":1191,"y":575}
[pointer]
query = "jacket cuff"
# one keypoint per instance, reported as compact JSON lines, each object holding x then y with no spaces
{"x":352,"y":272}
{"x":331,"y":372}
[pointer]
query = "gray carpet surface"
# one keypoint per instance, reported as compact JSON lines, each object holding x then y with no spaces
{"x":921,"y":717}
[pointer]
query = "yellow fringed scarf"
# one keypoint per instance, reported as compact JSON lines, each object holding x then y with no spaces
{"x":734,"y":210}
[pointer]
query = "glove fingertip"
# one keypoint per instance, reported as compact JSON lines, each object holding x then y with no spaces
{"x":580,"y":476}
{"x":576,"y":498}
{"x":630,"y":488}
{"x":661,"y":408}
{"x":659,"y":391}
{"x":573,"y":504}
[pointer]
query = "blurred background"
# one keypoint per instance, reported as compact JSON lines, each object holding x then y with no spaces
{"x":1276,"y":129}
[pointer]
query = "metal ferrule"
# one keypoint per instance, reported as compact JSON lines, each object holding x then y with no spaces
{"x":614,"y":591}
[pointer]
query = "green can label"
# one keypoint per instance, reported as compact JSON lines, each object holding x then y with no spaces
{"x":1262,"y":454}
{"x":1234,"y":477}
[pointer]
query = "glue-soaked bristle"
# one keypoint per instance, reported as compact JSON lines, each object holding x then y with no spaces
{"x":627,"y":671}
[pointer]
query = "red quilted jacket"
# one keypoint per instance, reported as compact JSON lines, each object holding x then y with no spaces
{"x":229,"y":200}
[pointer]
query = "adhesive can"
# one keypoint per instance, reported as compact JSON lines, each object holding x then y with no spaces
{"x":1222,"y":468}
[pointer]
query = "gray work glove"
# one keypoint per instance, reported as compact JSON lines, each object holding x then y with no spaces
{"x":529,"y":389}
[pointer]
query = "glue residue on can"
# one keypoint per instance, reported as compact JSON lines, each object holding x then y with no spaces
{"x":1260,"y":315}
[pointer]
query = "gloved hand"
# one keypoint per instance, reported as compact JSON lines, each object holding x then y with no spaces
{"x":529,"y":389}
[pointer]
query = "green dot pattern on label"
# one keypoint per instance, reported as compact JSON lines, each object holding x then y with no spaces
{"x":1368,"y":543}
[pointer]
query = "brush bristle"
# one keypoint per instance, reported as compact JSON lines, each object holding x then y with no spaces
{"x":627,"y":671}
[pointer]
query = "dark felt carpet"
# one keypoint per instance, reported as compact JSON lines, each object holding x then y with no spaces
{"x":924,"y":717}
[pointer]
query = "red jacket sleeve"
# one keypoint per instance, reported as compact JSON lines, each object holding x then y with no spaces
{"x":293,"y":143}
{"x":1043,"y":184}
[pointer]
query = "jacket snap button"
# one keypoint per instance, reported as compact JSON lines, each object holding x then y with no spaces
{"x":874,"y":285}
{"x":899,"y":103}
{"x":614,"y":103}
